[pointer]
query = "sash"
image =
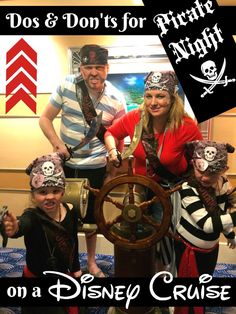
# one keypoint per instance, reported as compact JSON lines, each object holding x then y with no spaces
{"x":155,"y":166}
{"x":57,"y":238}
{"x":87,"y":107}
{"x":207,"y":196}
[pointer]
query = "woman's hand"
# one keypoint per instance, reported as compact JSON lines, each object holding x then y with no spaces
{"x":114,"y":157}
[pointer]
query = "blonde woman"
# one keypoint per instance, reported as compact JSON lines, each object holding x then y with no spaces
{"x":166,"y":128}
{"x":160,"y":153}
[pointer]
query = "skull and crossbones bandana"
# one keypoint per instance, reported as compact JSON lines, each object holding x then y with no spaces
{"x":209,"y":156}
{"x":164,"y":80}
{"x":46,"y":171}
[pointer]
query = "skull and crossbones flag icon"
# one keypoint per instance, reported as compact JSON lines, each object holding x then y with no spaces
{"x":201,"y":51}
{"x":209,"y":70}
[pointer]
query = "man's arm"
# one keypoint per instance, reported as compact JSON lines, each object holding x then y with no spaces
{"x":46,"y":125}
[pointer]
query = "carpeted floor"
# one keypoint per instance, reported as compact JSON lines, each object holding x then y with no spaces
{"x":12,"y":262}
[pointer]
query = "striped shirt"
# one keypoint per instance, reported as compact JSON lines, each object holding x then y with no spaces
{"x":196,"y":225}
{"x":74,"y":126}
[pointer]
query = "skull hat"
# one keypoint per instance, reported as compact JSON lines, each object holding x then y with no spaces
{"x":46,"y":171}
{"x":163,"y":80}
{"x":209,"y":156}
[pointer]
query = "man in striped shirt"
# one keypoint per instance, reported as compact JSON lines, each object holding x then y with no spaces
{"x":89,"y":161}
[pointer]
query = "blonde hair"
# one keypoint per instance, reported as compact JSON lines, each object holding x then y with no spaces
{"x":175,"y":118}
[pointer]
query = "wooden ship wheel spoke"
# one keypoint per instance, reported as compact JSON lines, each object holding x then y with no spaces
{"x":151,"y":222}
{"x":118,"y":219}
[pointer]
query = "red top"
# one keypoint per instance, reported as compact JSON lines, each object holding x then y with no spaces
{"x":172,"y":155}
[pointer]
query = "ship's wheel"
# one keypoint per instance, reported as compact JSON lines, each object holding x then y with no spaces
{"x":133,"y":227}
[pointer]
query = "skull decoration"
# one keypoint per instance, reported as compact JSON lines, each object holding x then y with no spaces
{"x":156,"y":76}
{"x":48,"y":168}
{"x":210,"y":153}
{"x":209,"y":70}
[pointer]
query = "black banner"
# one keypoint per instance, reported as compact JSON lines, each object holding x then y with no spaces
{"x":82,"y":20}
{"x":119,"y":292}
{"x":76,"y":20}
{"x":202,"y":53}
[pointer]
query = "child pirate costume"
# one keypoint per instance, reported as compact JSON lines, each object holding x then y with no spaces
{"x":203,"y":213}
{"x":49,"y":229}
{"x":58,"y":238}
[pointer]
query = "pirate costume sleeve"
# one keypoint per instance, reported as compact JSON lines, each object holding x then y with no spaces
{"x":197,"y":225}
{"x":45,"y":242}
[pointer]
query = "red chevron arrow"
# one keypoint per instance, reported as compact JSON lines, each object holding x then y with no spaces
{"x":21,"y":95}
{"x":25,"y":64}
{"x":21,"y":78}
{"x":22,"y":45}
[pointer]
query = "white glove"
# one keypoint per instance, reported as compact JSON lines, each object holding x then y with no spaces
{"x":231,"y":243}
